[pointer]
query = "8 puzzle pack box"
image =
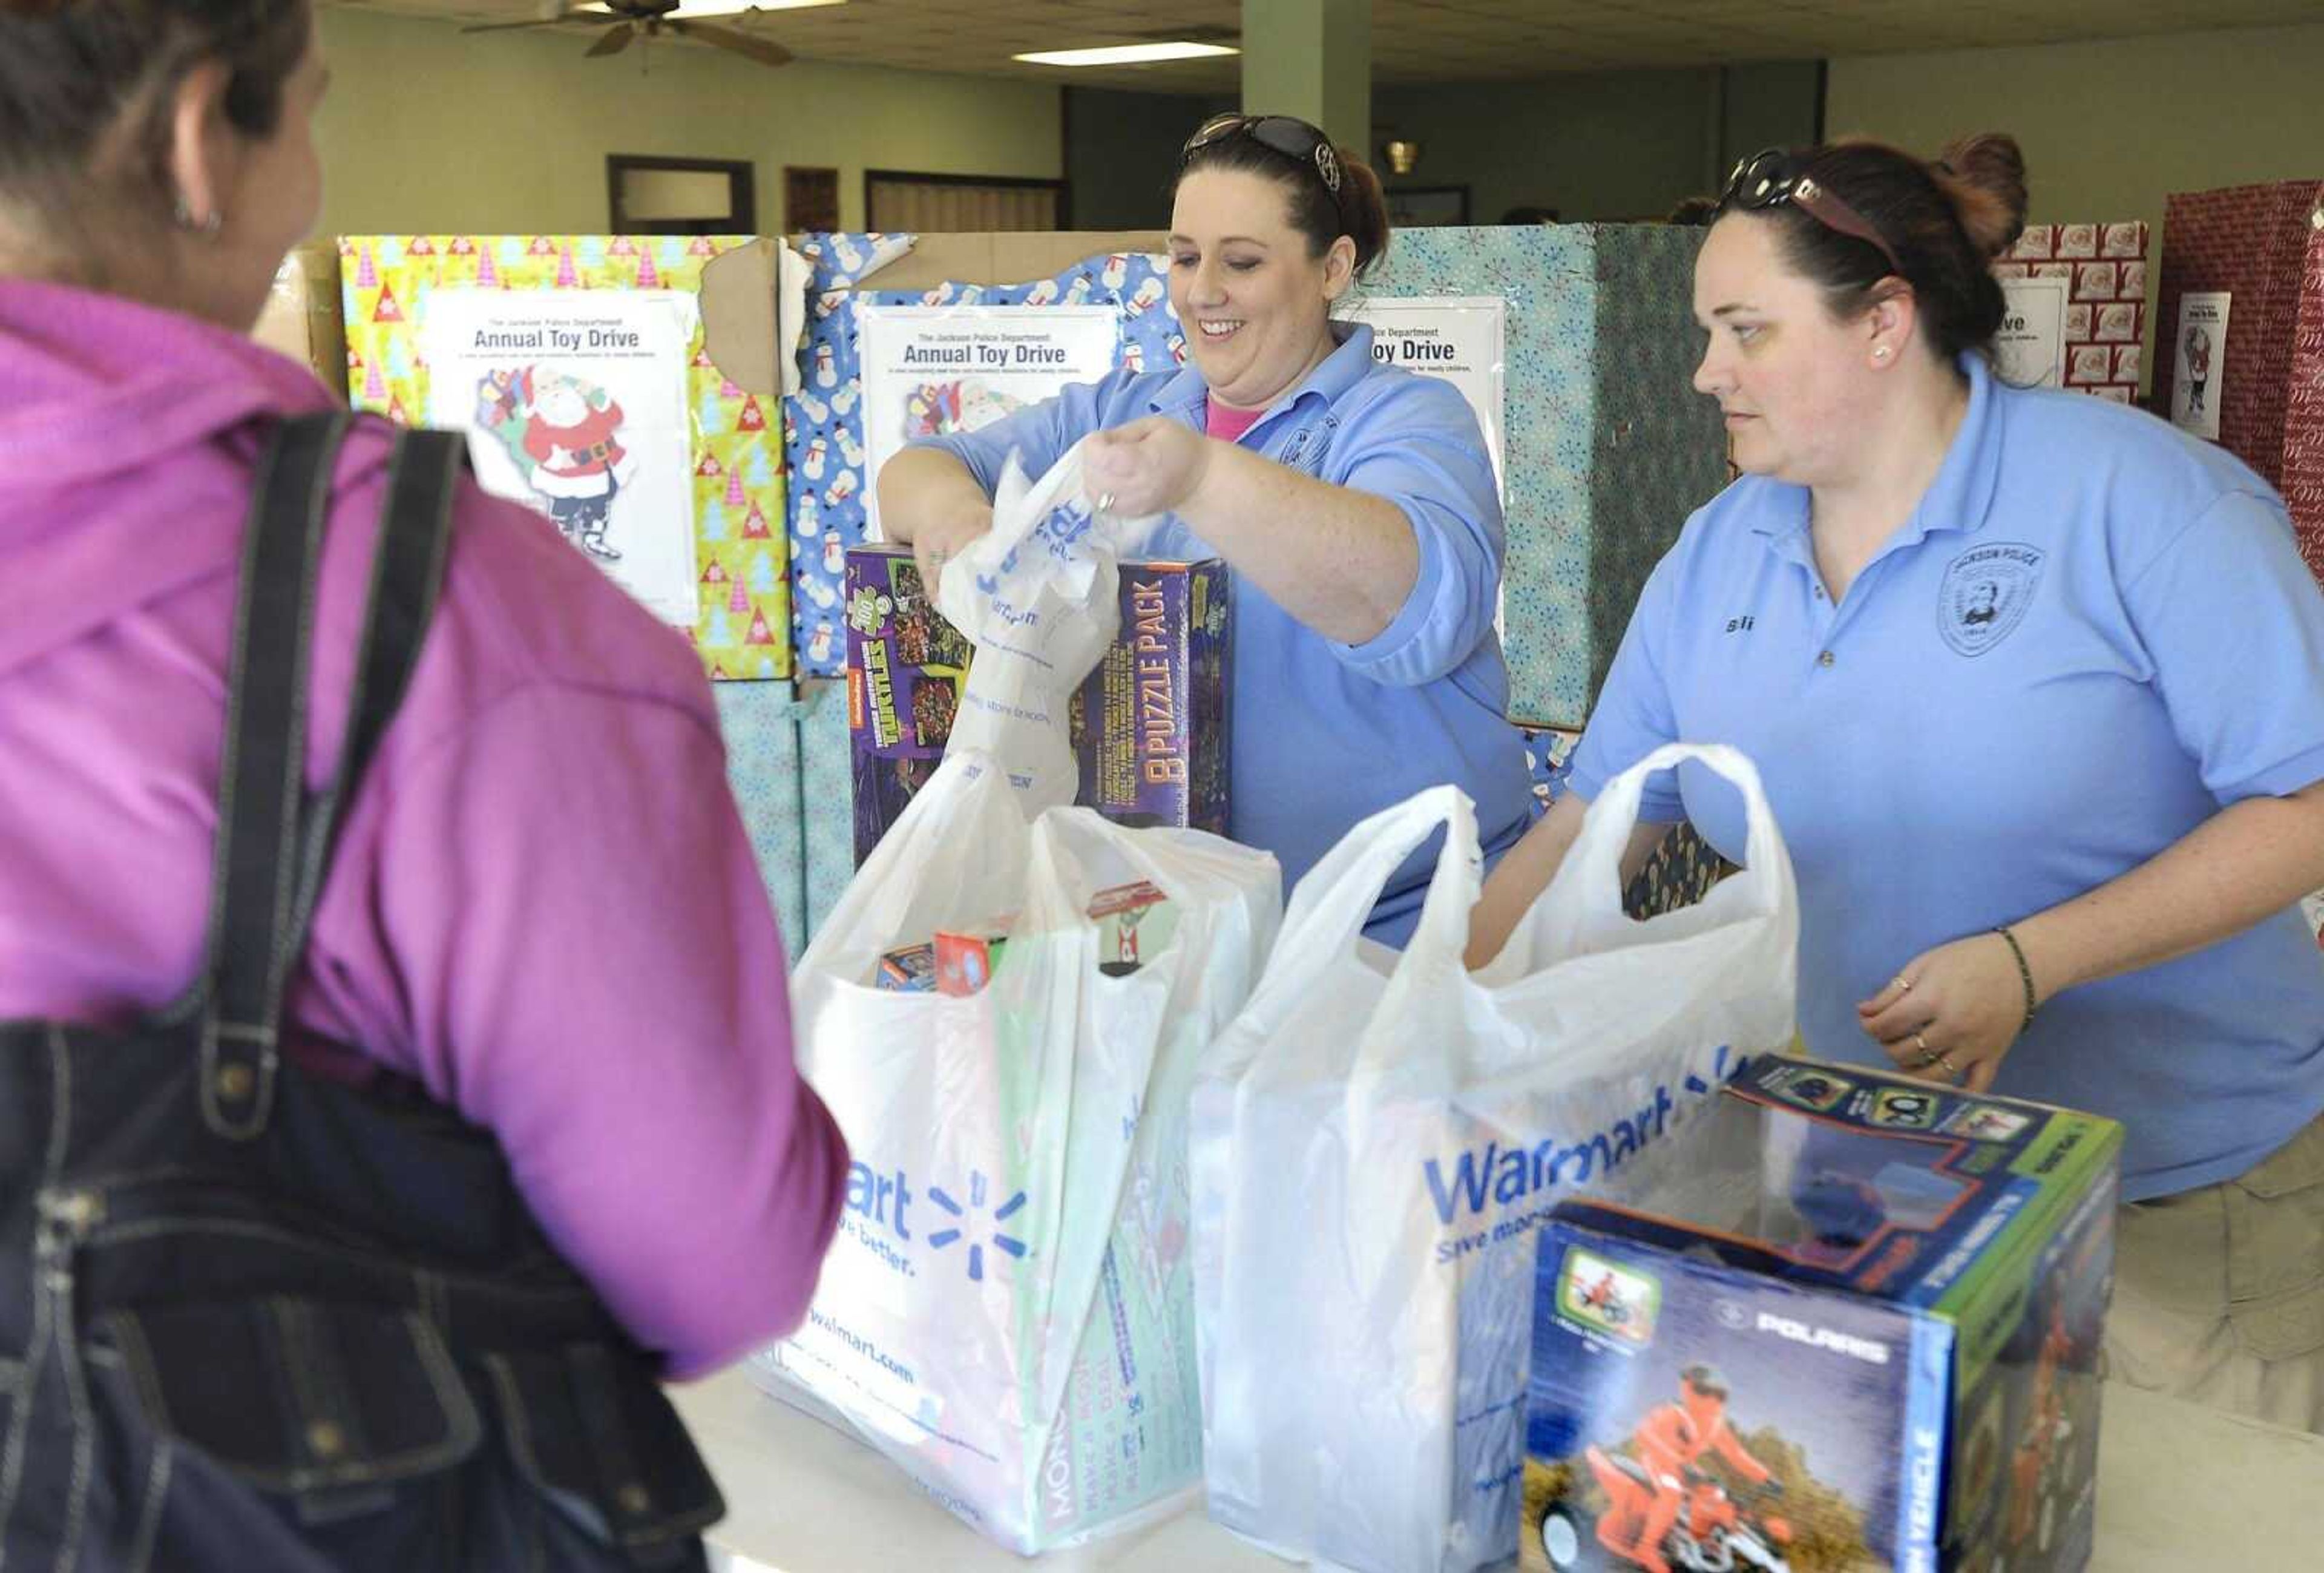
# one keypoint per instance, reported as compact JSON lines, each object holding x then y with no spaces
{"x":1150,"y":724}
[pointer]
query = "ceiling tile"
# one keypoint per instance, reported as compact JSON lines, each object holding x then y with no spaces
{"x":1442,"y":40}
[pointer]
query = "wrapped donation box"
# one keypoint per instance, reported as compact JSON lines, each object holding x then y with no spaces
{"x":1860,"y":1330}
{"x":2239,"y":336}
{"x":2076,"y":295}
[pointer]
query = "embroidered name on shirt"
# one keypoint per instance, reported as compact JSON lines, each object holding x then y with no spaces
{"x":1741,"y":624}
{"x":1985,"y":595}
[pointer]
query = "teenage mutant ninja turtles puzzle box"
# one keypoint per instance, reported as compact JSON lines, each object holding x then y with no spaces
{"x":1859,"y":1330}
{"x":1150,"y":724}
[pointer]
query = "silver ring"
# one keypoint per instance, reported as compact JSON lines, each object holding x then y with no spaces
{"x":1105,"y":502}
{"x":1945,"y":1063}
{"x":1922,"y":1045}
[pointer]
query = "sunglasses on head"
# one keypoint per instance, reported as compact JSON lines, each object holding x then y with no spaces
{"x":1295,"y":139}
{"x":1774,"y":178}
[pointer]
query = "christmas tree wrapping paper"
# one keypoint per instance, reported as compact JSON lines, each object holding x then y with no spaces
{"x":540,"y":346}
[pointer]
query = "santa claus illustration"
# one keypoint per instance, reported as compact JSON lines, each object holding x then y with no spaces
{"x":2198,"y":365}
{"x":578,"y":464}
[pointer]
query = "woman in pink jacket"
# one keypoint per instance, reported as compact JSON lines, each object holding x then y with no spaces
{"x":373,"y":1135}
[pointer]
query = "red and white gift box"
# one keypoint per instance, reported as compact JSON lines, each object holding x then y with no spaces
{"x":2105,"y":269}
{"x":2263,"y":247}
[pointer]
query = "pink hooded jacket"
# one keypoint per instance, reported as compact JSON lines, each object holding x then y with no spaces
{"x":543,"y":907}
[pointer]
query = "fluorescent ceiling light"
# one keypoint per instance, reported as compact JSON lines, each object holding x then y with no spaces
{"x":725,"y":7}
{"x":1125,"y":54}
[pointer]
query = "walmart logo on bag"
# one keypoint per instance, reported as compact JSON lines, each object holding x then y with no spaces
{"x":1000,"y":1215}
{"x":1502,"y":1177}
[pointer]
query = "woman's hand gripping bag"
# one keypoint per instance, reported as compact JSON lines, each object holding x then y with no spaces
{"x":1008,"y":1310}
{"x":1037,"y":596}
{"x":1374,"y":1142}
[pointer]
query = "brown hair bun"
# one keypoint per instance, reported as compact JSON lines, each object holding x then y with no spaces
{"x":1984,"y":177}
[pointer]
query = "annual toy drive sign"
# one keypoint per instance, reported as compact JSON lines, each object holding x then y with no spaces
{"x":576,"y":406}
{"x":1457,"y":338}
{"x":2198,"y":352}
{"x":2030,"y":348}
{"x":930,"y":371}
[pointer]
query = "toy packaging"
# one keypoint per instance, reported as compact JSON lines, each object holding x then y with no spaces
{"x":906,"y":668}
{"x":1859,"y":1329}
{"x":965,"y":957}
{"x":907,"y":969}
{"x":1150,"y":724}
{"x":1133,"y":921}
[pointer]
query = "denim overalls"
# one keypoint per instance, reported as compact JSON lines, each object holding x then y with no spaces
{"x":251,"y":1319}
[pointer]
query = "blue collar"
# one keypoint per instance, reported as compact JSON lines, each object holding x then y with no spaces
{"x":1961,"y":496}
{"x":1340,"y":370}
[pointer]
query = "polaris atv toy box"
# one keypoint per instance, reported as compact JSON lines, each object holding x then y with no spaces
{"x":1858,"y":1330}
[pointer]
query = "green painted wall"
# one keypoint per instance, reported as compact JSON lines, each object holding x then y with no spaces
{"x":1623,"y":145}
{"x":1121,"y":152}
{"x":1626,"y":145}
{"x":1771,"y":104}
{"x":2109,"y":129}
{"x":425,"y":129}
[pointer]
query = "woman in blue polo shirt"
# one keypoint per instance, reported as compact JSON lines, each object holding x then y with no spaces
{"x":2036,"y":684}
{"x":1354,"y":502}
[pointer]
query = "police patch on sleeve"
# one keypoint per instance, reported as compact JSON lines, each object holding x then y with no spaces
{"x":1985,"y":595}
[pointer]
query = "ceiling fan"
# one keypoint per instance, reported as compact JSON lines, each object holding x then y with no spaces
{"x":627,"y":20}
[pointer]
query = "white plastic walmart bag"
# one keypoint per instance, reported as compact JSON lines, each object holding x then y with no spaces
{"x":1008,"y":1312}
{"x":1373,"y":1146}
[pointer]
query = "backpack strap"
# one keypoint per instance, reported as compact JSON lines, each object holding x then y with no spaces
{"x":274,"y":842}
{"x":407,"y":574}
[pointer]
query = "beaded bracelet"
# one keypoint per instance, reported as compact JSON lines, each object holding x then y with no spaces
{"x":2024,"y":973}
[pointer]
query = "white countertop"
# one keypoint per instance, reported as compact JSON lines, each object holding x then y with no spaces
{"x":2178,"y":1487}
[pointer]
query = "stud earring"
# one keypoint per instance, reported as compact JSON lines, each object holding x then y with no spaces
{"x":1881,"y":352}
{"x":207,"y":225}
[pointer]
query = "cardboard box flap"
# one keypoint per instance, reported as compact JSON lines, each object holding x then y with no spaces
{"x":1004,"y":258}
{"x":738,"y":317}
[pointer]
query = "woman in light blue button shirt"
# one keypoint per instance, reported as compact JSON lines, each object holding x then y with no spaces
{"x":1354,"y":502}
{"x":2036,"y":684}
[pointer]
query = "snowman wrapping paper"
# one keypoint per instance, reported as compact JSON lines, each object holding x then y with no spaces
{"x":579,"y":366}
{"x":824,"y":424}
